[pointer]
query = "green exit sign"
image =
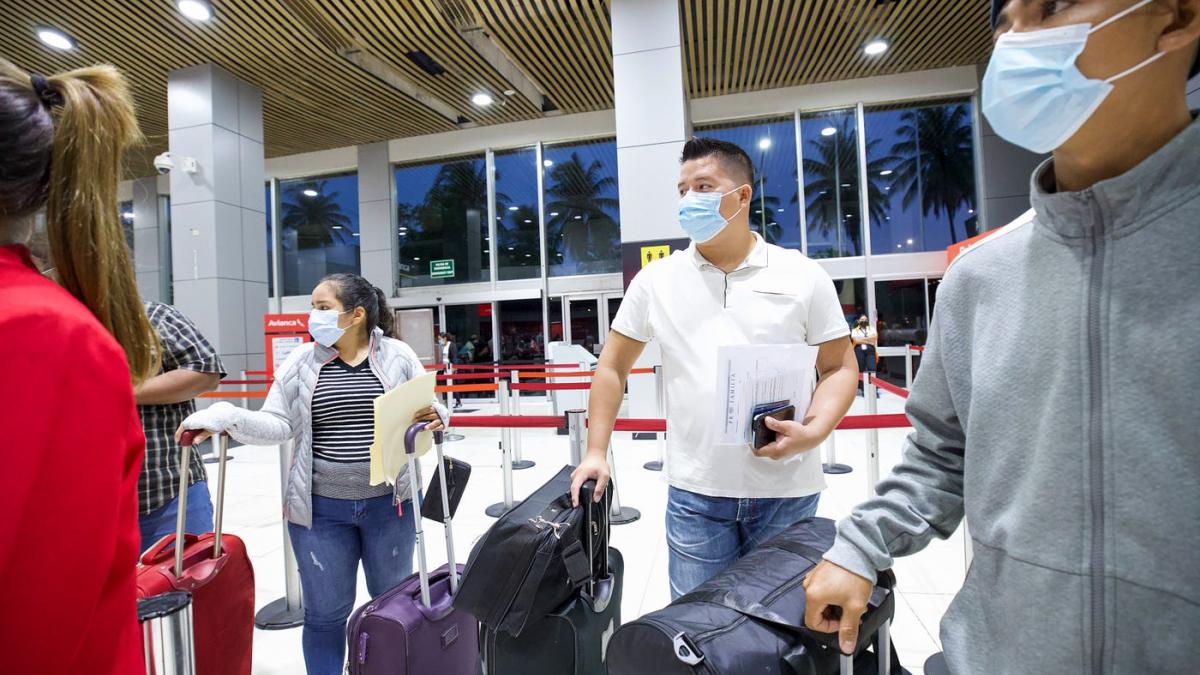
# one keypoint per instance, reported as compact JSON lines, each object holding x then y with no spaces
{"x":441,"y":269}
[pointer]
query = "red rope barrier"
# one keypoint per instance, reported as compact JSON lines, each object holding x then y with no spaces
{"x":234,"y":394}
{"x":525,"y":366}
{"x":471,"y":376}
{"x":890,"y":421}
{"x":889,"y":387}
{"x":551,"y":386}
{"x":508,"y":421}
{"x":256,"y":372}
{"x":917,"y":348}
{"x":247,"y":381}
{"x":463,"y":388}
{"x":633,"y":424}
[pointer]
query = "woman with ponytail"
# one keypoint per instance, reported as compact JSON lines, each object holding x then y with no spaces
{"x":72,"y":440}
{"x":323,"y":398}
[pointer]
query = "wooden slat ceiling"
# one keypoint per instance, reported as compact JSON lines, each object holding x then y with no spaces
{"x":314,"y":98}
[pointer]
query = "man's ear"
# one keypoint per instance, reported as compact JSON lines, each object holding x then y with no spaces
{"x":746,"y":195}
{"x":1184,"y":30}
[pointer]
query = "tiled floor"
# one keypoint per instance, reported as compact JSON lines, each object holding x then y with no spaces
{"x":927,"y":581}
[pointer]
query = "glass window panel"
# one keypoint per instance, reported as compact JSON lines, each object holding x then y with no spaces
{"x":556,"y":319}
{"x":126,"y":211}
{"x":852,"y":294}
{"x":771,"y":144}
{"x":441,"y":214}
{"x":583,"y":227}
{"x":471,"y":326}
{"x":318,"y":229}
{"x":933,"y":285}
{"x":831,"y":203}
{"x":517,"y":215}
{"x":921,"y":162}
{"x":269,"y":207}
{"x":585,"y":324}
{"x":900,"y":312}
{"x":521,"y":331}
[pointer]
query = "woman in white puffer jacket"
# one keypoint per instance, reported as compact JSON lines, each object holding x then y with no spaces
{"x":323,"y":398}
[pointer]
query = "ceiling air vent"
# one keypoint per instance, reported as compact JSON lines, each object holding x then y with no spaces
{"x":425,"y":62}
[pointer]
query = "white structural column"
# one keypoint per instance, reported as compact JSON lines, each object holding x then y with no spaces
{"x":148,"y":239}
{"x":376,"y":217}
{"x":651,"y":115}
{"x":218,"y":219}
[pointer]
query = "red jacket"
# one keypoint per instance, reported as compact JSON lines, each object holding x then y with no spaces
{"x":72,"y":447}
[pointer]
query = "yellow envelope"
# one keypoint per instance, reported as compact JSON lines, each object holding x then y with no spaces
{"x":393,"y":416}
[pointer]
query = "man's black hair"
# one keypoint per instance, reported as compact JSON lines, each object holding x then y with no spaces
{"x":998,"y":7}
{"x":732,"y":157}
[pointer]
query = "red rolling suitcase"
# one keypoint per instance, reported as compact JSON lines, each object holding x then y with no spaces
{"x":413,"y":629}
{"x":216,"y":570}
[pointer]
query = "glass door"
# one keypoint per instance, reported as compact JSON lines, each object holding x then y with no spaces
{"x":582,"y":322}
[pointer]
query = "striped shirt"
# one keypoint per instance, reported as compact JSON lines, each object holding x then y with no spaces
{"x":343,"y":428}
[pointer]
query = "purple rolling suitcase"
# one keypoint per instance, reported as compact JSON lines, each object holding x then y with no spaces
{"x":412,"y":629}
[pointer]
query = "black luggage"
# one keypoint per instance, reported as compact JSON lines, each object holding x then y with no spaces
{"x":572,"y":639}
{"x":531,"y":561}
{"x":750,"y":619}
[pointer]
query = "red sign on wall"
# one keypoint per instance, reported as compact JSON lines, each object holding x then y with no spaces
{"x":283,"y":333}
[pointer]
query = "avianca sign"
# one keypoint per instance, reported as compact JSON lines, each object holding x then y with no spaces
{"x":285,"y":323}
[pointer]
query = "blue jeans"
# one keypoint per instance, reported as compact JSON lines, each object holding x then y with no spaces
{"x":161,"y":521}
{"x":707,"y":534}
{"x":345,"y":531}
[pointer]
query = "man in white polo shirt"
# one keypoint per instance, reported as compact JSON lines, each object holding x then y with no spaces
{"x":728,"y":288}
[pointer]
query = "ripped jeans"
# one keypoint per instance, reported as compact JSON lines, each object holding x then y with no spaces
{"x":344,"y":532}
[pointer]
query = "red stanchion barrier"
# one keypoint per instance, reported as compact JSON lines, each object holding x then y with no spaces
{"x":256,"y":372}
{"x":635,"y":424}
{"x":889,"y":387}
{"x":891,"y":421}
{"x":509,"y":421}
{"x":523,"y":366}
{"x":234,"y":394}
{"x":471,"y":376}
{"x":917,"y":348}
{"x":551,"y":375}
{"x":463,"y":388}
{"x":551,"y":386}
{"x":233,"y":382}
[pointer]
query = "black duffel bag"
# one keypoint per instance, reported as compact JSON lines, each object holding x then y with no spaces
{"x":750,"y":619}
{"x":531,"y":560}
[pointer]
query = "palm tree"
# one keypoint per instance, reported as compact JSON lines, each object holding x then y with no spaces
{"x":831,"y":169}
{"x":773,"y":231}
{"x":519,"y":235}
{"x":935,"y":160}
{"x":317,"y":219}
{"x":579,"y":227}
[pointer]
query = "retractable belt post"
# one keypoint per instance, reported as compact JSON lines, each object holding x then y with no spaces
{"x":577,"y":433}
{"x":660,"y":410}
{"x":518,"y":462}
{"x":506,"y":463}
{"x":908,"y":366}
{"x":288,"y":611}
{"x":618,"y":515}
{"x":167,"y":640}
{"x":872,"y":435}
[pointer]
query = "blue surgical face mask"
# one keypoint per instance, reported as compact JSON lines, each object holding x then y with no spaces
{"x":700,"y":214}
{"x":323,"y":326}
{"x":1033,"y":93}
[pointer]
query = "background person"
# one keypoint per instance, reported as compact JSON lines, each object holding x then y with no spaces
{"x":323,"y":397}
{"x":865,"y":340}
{"x":190,"y":367}
{"x":72,"y":441}
{"x":728,"y":288}
{"x":1043,"y":366}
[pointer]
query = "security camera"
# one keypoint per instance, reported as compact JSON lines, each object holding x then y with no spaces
{"x":166,"y":163}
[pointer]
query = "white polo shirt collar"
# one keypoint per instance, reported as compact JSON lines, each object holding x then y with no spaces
{"x":757,"y":258}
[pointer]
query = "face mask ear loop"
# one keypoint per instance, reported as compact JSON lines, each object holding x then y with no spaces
{"x":735,"y":213}
{"x":1138,"y":67}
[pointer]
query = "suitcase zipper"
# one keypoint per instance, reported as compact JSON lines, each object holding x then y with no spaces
{"x":671,"y":633}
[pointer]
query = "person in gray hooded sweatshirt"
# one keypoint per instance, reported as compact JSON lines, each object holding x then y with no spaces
{"x":1050,"y":408}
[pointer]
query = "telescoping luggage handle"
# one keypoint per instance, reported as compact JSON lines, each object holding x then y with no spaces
{"x":186,"y":440}
{"x":598,"y":525}
{"x":410,"y":445}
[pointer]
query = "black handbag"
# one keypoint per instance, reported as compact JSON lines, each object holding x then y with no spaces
{"x":534,"y":557}
{"x":458,"y":473}
{"x":750,"y":619}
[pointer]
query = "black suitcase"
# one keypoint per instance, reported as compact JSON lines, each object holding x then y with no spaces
{"x":532,"y":560}
{"x":571,"y":640}
{"x":750,"y":619}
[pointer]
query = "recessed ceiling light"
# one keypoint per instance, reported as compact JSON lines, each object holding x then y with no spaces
{"x":910,"y":242}
{"x":553,"y":213}
{"x":510,"y":92}
{"x":53,"y":37}
{"x":899,"y":246}
{"x":875,"y":47}
{"x":781,"y":210}
{"x":528,"y":220}
{"x":482,"y":98}
{"x":337,"y":227}
{"x":828,"y":131}
{"x":311,"y":193}
{"x":971,"y":211}
{"x":578,"y":217}
{"x":764,"y":143}
{"x":528,"y":255}
{"x":196,"y":10}
{"x":885,"y":172}
{"x":547,"y":163}
{"x":355,"y":233}
{"x":513,"y":208}
{"x":416,"y":258}
{"x":511,"y":248}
